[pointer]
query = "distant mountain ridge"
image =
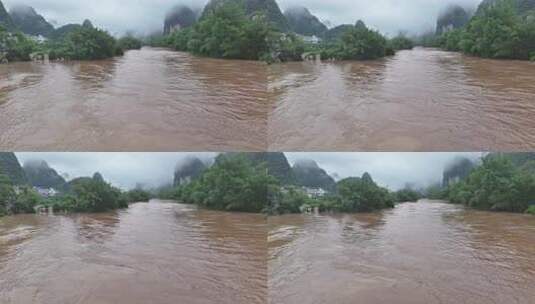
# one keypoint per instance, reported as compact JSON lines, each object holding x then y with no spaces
{"x":189,"y":170}
{"x":27,"y":20}
{"x":178,"y":18}
{"x":252,"y":7}
{"x":301,"y":21}
{"x":454,"y":17}
{"x":39,"y":174}
{"x":309,"y":174}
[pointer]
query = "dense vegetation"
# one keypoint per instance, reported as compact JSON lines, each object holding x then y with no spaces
{"x":225,"y":32}
{"x":233,"y":183}
{"x":496,"y":31}
{"x":15,"y":46}
{"x":401,"y":42}
{"x":352,"y":195}
{"x":229,"y":31}
{"x":253,"y":8}
{"x":498,"y":185}
{"x":129,"y":43}
{"x":357,"y":43}
{"x":85,"y":195}
{"x":84,"y":43}
{"x":407,"y":195}
{"x":69,"y":42}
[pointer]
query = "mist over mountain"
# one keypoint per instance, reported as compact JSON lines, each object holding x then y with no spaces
{"x":301,"y":21}
{"x":179,"y":17}
{"x":457,"y":170}
{"x":27,"y":20}
{"x":308,"y":174}
{"x":39,"y":174}
{"x":455,"y":16}
{"x":188,"y":170}
{"x":252,"y":7}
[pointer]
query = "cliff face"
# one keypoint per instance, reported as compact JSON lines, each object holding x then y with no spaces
{"x":5,"y":18}
{"x":10,"y":166}
{"x":29,"y":22}
{"x":188,"y":171}
{"x":178,"y":18}
{"x":454,"y":17}
{"x":39,"y":174}
{"x":252,"y":7}
{"x":301,"y":21}
{"x":458,"y":170}
{"x":309,"y":174}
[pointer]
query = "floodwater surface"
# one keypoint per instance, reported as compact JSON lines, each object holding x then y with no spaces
{"x":419,"y":100}
{"x":426,"y":252}
{"x":157,"y":252}
{"x":148,"y":100}
{"x":161,"y":100}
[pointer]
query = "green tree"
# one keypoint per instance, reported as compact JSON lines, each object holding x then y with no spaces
{"x":85,"y":43}
{"x":227,"y":32}
{"x":95,"y":195}
{"x":358,"y":43}
{"x":137,"y":195}
{"x":7,"y":194}
{"x":401,"y":42}
{"x":129,"y":43}
{"x":362,"y":195}
{"x":495,"y":185}
{"x":232,"y":184}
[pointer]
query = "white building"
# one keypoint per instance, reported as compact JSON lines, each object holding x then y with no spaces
{"x":311,"y":39}
{"x":315,"y":192}
{"x":46,"y":192}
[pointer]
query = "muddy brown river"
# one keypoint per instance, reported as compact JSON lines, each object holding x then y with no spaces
{"x":148,"y":100}
{"x":158,"y":253}
{"x":426,"y":252}
{"x":160,"y":100}
{"x":419,"y":100}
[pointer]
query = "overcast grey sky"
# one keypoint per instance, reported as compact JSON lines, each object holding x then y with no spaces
{"x":125,"y":170}
{"x":388,"y":16}
{"x":393,"y":170}
{"x":142,"y":16}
